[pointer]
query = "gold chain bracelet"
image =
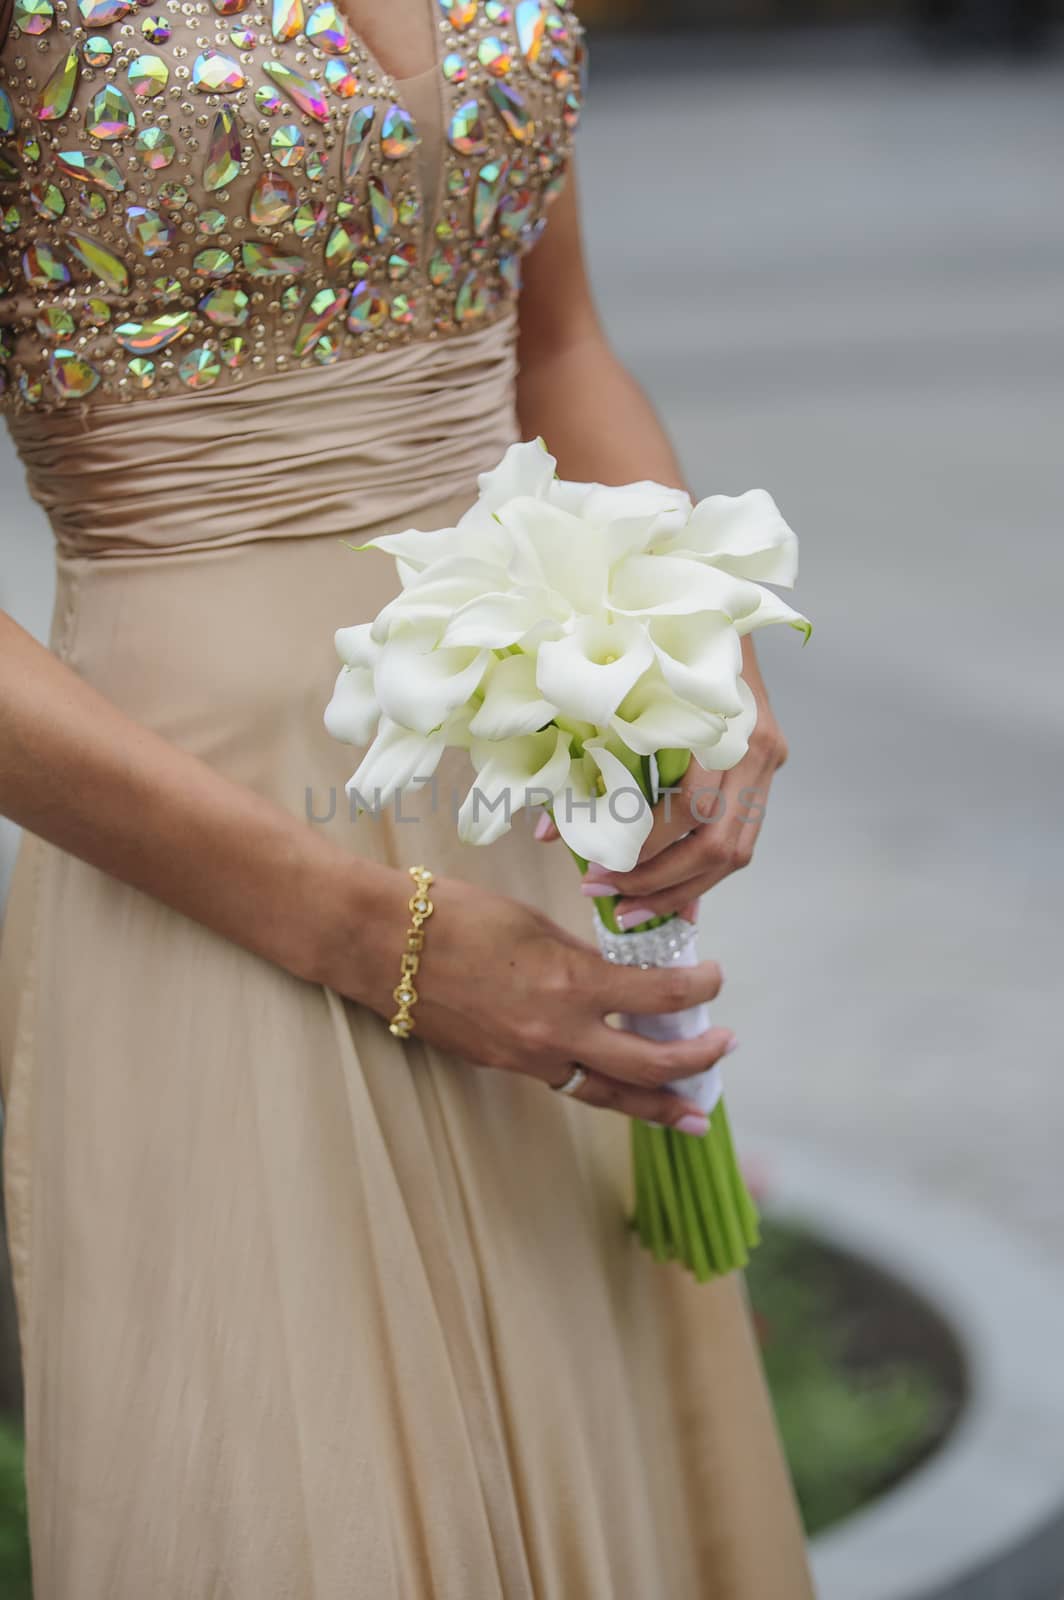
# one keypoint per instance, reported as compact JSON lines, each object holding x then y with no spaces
{"x":404,"y":994}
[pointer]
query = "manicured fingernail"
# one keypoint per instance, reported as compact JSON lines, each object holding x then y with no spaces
{"x":689,"y":912}
{"x":695,"y":1123}
{"x":633,"y":916}
{"x":592,"y":886}
{"x":732,"y":1044}
{"x":544,"y":825}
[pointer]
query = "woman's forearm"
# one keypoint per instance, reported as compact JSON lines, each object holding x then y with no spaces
{"x":77,"y":771}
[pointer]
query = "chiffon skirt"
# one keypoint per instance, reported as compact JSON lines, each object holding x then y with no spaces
{"x":307,"y":1311}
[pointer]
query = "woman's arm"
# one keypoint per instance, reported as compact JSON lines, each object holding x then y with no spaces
{"x":574,"y":392}
{"x":500,"y":984}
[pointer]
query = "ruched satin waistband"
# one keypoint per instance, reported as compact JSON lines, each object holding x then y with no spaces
{"x":310,"y":451}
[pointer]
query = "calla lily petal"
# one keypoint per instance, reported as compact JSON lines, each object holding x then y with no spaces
{"x":512,"y":703}
{"x":609,"y":827}
{"x":730,"y":749}
{"x":511,"y":773}
{"x":771,"y":610}
{"x":397,"y":759}
{"x":588,"y":671}
{"x":525,"y":469}
{"x":656,"y":585}
{"x":700,"y":658}
{"x":558,"y":551}
{"x":742,"y":534}
{"x":353,"y":712}
{"x":355,"y":646}
{"x":496,"y":621}
{"x":653,"y":718}
{"x":420,"y":687}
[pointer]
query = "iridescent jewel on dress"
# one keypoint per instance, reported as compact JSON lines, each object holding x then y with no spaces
{"x":154,"y":149}
{"x":168,"y":289}
{"x":155,"y":29}
{"x":72,"y":376}
{"x":327,"y":350}
{"x":47,"y":199}
{"x":42,"y":268}
{"x":97,"y":50}
{"x":224,"y":8}
{"x":472,"y":299}
{"x":264,"y":260}
{"x":489,"y":184}
{"x":225,"y":308}
{"x":287,"y":19}
{"x":288,"y":146}
{"x":33,"y":16}
{"x":149,"y":230}
{"x":268,"y":100}
{"x":141,"y":372}
{"x":512,"y":109}
{"x":10,"y":219}
{"x":233,"y":351}
{"x":55,"y":322}
{"x":459,"y":13}
{"x":402,"y":261}
{"x":515,"y":213}
{"x":381,"y":209}
{"x":92,"y":203}
{"x":217,"y":74}
{"x":402,"y":309}
{"x":340,"y":79}
{"x":110,"y":116}
{"x":356,"y":141}
{"x":314,"y":166}
{"x":55,"y":97}
{"x":213,"y":262}
{"x":571,"y":110}
{"x":224,"y":152}
{"x":497,"y":11}
{"x":531,"y":26}
{"x":366,"y":310}
{"x":324,"y":308}
{"x":455,"y":69}
{"x":210,"y":221}
{"x":342,"y":245}
{"x":327,"y":29}
{"x":101,"y":13}
{"x":309,"y":220}
{"x":399,"y":135}
{"x":148,"y":76}
{"x":495,"y":57}
{"x":154,"y":334}
{"x":273,"y":200}
{"x":29,"y":147}
{"x":443,"y":266}
{"x":510,"y":271}
{"x":100,"y":261}
{"x":306,"y":93}
{"x":466,"y":129}
{"x":96,"y":313}
{"x":243,"y":37}
{"x":200,"y":368}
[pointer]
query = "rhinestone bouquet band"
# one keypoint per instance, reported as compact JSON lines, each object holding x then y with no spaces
{"x":670,"y":944}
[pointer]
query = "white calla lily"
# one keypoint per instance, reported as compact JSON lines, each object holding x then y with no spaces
{"x":354,"y":711}
{"x":555,"y":550}
{"x":771,"y":609}
{"x":588,"y":671}
{"x":420,"y":687}
{"x":512,"y":703}
{"x":525,"y":470}
{"x":742,"y":534}
{"x":653,"y":718}
{"x":727,"y":751}
{"x":511,"y":773}
{"x":356,"y":646}
{"x":700,"y":658}
{"x":496,"y":621}
{"x":437,"y":592}
{"x":397,"y":759}
{"x":602,"y":813}
{"x":657,"y":585}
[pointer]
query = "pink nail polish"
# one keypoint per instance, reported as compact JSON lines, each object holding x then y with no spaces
{"x":693,"y":1124}
{"x":732,"y":1044}
{"x":633,"y":916}
{"x":591,"y":886}
{"x":543,"y":826}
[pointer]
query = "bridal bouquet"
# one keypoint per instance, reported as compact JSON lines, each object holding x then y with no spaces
{"x":583,"y":644}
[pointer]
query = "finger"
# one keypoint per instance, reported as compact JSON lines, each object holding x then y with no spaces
{"x":545,"y":830}
{"x":653,"y":1063}
{"x":667,"y":902}
{"x":659,"y":1106}
{"x":655,"y":990}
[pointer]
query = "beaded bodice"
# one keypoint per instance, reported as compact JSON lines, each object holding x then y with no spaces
{"x":195,"y":191}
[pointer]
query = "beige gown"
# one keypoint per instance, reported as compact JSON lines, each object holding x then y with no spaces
{"x":307,"y":1312}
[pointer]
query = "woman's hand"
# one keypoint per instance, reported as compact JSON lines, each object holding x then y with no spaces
{"x":503,"y":986}
{"x":701,"y":833}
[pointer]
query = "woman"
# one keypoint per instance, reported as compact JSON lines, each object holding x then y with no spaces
{"x":307,"y":1309}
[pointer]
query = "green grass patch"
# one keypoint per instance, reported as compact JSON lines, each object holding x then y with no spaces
{"x":865,"y":1380}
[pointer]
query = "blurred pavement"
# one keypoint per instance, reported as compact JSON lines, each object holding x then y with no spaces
{"x":843,"y":282}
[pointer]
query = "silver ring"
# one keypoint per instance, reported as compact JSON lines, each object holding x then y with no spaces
{"x":576,"y":1080}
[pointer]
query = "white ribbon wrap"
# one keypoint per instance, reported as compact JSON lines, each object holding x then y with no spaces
{"x":673,"y":944}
